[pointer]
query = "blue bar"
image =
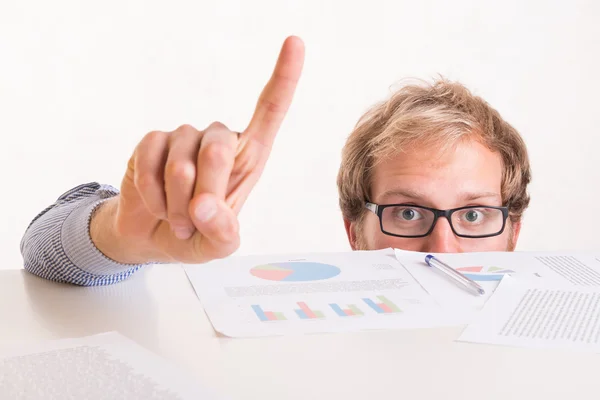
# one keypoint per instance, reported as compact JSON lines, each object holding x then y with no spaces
{"x":301,"y":314}
{"x":374,"y":306}
{"x":338,"y":310}
{"x":260,"y":313}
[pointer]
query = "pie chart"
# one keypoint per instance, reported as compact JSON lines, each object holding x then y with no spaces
{"x":480,"y":273}
{"x":295,"y":271}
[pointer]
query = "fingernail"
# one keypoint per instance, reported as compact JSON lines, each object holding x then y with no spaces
{"x":206,"y":210}
{"x":183,"y":233}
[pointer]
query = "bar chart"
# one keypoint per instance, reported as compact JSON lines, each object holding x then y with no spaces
{"x":384,"y":306}
{"x":350,"y":311}
{"x":266,"y":316}
{"x":305,"y":312}
{"x":378,"y":304}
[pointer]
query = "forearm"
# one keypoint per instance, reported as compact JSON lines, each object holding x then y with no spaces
{"x":57,"y":244}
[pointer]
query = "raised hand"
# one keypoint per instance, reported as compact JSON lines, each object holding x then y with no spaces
{"x":183,"y":189}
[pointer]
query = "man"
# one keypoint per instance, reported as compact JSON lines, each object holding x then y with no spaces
{"x":432,"y":169}
{"x":439,"y":169}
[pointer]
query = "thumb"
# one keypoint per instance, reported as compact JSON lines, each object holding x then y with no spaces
{"x":217,"y":224}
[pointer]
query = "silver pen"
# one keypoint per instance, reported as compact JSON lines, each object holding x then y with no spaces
{"x":450,"y":272}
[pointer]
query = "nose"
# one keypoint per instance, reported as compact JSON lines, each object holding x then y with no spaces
{"x":441,"y":239}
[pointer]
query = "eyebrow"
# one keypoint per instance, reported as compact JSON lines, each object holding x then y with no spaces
{"x":415,"y":195}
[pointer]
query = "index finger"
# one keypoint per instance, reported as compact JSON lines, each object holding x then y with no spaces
{"x":276,"y":97}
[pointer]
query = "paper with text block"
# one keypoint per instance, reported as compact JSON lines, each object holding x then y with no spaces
{"x":106,"y":366}
{"x":539,"y":316}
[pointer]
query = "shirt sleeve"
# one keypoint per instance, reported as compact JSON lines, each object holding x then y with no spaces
{"x":57,"y":243}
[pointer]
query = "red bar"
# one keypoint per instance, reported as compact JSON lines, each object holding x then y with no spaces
{"x":306,"y":310}
{"x":271,"y":315}
{"x":384,"y":307}
{"x":348,"y":312}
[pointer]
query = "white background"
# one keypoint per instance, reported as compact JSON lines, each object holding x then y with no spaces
{"x":82,"y":82}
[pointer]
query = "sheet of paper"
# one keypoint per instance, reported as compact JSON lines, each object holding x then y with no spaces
{"x":310,"y":293}
{"x":106,"y":366}
{"x":536,"y":315}
{"x":487,"y":269}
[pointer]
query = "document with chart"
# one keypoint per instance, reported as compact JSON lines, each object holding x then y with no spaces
{"x":539,"y":315}
{"x":580,"y":269}
{"x":309,"y":293}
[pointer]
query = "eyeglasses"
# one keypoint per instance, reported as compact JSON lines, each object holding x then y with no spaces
{"x":410,"y":221}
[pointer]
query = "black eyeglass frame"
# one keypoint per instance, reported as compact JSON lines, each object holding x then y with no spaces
{"x":377,"y":209}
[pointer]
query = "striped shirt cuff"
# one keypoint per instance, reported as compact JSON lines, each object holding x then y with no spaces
{"x":78,"y":246}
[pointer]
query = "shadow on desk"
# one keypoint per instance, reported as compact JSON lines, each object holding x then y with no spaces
{"x":74,"y":311}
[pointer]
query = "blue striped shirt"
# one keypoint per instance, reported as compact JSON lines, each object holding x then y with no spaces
{"x":57,"y":243}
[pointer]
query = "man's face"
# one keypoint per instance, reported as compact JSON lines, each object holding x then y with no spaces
{"x":467,"y":175}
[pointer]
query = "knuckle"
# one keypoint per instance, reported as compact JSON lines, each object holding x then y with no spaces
{"x":273,"y":105}
{"x":154,"y":137}
{"x":182,"y":171}
{"x":186,"y":129}
{"x":217,"y":125}
{"x":217,"y":154}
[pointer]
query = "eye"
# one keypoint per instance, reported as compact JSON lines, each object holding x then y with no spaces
{"x":409,"y":214}
{"x":472,"y":216}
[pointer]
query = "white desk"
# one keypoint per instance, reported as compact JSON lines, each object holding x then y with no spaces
{"x":158,"y":308}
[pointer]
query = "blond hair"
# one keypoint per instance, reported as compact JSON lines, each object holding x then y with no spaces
{"x":440,"y":114}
